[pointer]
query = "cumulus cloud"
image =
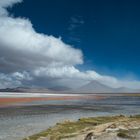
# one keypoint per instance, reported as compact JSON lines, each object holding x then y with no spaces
{"x":28,"y":57}
{"x":13,"y":79}
{"x":29,"y":49}
{"x":8,"y":81}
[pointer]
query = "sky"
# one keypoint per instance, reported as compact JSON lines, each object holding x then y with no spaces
{"x":49,"y":43}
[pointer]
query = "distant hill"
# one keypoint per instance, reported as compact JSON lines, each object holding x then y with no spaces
{"x":25,"y":90}
{"x":97,"y":87}
{"x":36,"y":90}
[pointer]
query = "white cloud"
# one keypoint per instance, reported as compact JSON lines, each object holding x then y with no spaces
{"x":21,"y":76}
{"x":18,"y":37}
{"x":13,"y":79}
{"x":70,"y":72}
{"x":7,"y":81}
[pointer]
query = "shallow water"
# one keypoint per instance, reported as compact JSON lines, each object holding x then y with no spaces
{"x":17,"y":122}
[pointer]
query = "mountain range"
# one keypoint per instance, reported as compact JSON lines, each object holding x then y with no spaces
{"x":97,"y":87}
{"x":91,"y":87}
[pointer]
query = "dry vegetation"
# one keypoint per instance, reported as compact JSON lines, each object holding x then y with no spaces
{"x":120,"y":126}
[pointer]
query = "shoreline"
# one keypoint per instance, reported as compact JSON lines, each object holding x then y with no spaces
{"x":111,"y":127}
{"x":11,"y":98}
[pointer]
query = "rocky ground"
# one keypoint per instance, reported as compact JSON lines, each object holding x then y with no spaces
{"x":97,"y":128}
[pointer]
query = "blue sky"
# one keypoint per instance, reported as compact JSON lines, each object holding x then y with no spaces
{"x":107,"y":32}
